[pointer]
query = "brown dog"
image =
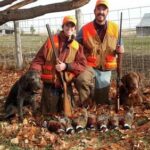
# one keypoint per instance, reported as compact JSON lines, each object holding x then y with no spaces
{"x":130,"y":90}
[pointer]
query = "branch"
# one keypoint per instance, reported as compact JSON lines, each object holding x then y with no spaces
{"x":20,"y":4}
{"x":21,"y":14}
{"x":6,"y":2}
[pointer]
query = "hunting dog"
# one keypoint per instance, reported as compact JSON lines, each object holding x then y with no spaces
{"x":21,"y":94}
{"x":130,"y":90}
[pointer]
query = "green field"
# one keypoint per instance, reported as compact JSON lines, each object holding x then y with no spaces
{"x":29,"y":43}
{"x":136,"y":57}
{"x":34,"y":42}
{"x":137,"y":44}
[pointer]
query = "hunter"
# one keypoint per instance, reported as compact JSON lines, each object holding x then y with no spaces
{"x":71,"y":60}
{"x":100,"y":42}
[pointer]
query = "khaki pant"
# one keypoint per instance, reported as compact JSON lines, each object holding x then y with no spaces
{"x":85,"y":84}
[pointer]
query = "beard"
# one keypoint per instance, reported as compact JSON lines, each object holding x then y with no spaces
{"x":100,"y":18}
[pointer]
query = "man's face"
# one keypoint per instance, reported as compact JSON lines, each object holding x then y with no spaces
{"x":101,"y":12}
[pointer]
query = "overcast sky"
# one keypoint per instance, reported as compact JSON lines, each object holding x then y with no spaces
{"x":119,"y":4}
{"x":89,"y":8}
{"x":114,"y":5}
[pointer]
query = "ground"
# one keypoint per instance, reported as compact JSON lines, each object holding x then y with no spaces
{"x":31,"y":135}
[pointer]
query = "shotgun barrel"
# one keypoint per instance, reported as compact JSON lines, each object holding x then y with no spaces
{"x":119,"y":62}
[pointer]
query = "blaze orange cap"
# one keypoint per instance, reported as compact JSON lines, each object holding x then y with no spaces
{"x":69,"y":19}
{"x":102,"y":2}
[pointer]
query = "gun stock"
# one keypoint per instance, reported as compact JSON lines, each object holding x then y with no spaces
{"x":66,"y":102}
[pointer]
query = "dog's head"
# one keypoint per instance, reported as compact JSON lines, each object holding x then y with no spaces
{"x":131,"y":81}
{"x":31,"y":81}
{"x":130,"y":90}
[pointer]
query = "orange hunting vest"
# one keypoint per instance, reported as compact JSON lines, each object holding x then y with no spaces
{"x":101,"y":54}
{"x":49,"y":73}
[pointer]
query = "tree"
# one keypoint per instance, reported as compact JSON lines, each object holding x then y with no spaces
{"x":14,"y":12}
{"x":19,"y":58}
{"x":32,"y":29}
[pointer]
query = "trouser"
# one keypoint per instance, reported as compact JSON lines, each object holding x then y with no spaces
{"x":52,"y":98}
{"x":93,"y":84}
{"x":85,"y":84}
{"x":102,"y":85}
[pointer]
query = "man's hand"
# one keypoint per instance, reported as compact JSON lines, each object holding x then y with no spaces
{"x":119,"y":49}
{"x":60,"y":66}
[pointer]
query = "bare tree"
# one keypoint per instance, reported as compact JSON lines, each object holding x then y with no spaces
{"x":6,"y":2}
{"x":14,"y":12}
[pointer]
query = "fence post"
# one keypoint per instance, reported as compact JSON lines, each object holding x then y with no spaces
{"x":19,"y":58}
{"x":79,"y":18}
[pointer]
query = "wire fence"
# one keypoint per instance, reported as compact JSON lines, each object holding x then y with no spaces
{"x":136,"y":37}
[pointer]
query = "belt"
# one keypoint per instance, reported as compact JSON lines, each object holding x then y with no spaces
{"x":100,"y":69}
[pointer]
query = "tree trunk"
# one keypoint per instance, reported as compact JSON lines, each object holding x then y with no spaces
{"x":21,"y":14}
{"x":79,"y":19}
{"x":6,"y":2}
{"x":19,"y":59}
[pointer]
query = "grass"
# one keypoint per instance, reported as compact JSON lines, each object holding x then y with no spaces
{"x":137,"y":50}
{"x":32,"y":43}
{"x":136,"y":44}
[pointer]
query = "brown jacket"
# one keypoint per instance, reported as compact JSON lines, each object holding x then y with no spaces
{"x":75,"y":67}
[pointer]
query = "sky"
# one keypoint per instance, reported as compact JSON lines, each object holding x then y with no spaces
{"x":88,"y":8}
{"x":119,"y":4}
{"x":114,"y":5}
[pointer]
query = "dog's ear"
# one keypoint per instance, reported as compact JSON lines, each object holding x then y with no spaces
{"x":24,"y":81}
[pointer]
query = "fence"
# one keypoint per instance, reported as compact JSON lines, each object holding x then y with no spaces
{"x":136,"y":24}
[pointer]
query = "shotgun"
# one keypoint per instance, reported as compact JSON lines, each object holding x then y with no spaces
{"x":66,"y":101}
{"x":119,"y":65}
